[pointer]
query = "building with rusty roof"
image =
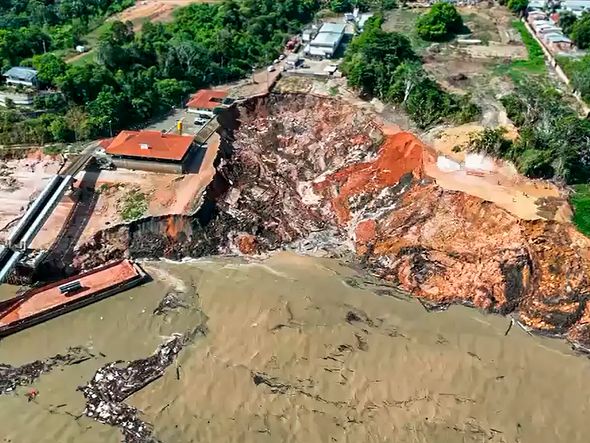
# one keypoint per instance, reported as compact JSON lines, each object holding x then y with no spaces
{"x":207,"y":101}
{"x":152,"y":151}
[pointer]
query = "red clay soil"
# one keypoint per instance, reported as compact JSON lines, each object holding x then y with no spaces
{"x":451,"y":247}
{"x":400,"y":154}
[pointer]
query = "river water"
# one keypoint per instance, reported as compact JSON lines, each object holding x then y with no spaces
{"x":302,"y":350}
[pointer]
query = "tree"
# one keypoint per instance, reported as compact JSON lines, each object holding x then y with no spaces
{"x":106,"y":111}
{"x":49,"y":67}
{"x":384,"y":65}
{"x":118,"y":33}
{"x":580,"y":33}
{"x":77,"y":120}
{"x":172,"y":91}
{"x":341,"y":5}
{"x":60,"y":130}
{"x":517,"y":6}
{"x":440,"y":23}
{"x":567,"y":19}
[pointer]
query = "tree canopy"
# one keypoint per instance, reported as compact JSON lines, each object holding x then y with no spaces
{"x":517,"y":6}
{"x":138,"y":75}
{"x":383,"y":64}
{"x":32,"y":27}
{"x":440,"y":23}
{"x":553,"y":142}
{"x":580,"y":32}
{"x":567,"y":19}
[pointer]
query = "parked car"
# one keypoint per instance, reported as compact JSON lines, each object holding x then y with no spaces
{"x":282,"y":57}
{"x":276,"y":61}
{"x":270,"y":68}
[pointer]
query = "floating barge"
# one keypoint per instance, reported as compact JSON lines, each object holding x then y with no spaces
{"x":40,"y":304}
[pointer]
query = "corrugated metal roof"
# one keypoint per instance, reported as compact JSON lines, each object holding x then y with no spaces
{"x":555,"y":37}
{"x":326,"y":38}
{"x":21,"y":73}
{"x":337,"y":28}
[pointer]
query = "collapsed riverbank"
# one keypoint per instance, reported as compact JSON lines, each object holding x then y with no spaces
{"x":319,"y":175}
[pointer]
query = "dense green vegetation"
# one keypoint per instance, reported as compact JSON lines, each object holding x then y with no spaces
{"x":578,"y":71}
{"x":30,"y":27}
{"x":137,"y":76}
{"x":440,"y":23}
{"x":517,"y":6}
{"x":566,"y":21}
{"x":580,"y":32}
{"x":341,"y":6}
{"x":553,"y":142}
{"x":383,"y":64}
{"x":581,"y":202}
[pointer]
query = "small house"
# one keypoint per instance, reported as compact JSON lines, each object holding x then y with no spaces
{"x":152,"y":151}
{"x":558,"y":42}
{"x":19,"y":75}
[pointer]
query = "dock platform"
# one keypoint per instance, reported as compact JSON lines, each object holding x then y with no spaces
{"x":40,"y":304}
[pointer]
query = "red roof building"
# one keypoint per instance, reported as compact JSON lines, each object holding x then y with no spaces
{"x":150,"y":150}
{"x":206,"y":100}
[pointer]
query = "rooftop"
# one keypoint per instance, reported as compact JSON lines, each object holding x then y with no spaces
{"x":21,"y":73}
{"x":337,"y":28}
{"x":557,"y":38}
{"x":326,"y":38}
{"x":207,"y":99}
{"x":151,"y":145}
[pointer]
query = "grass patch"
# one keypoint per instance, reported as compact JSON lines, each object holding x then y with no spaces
{"x":580,"y":201}
{"x":333,"y":91}
{"x":134,"y":205}
{"x":520,"y":70}
{"x":404,"y":21}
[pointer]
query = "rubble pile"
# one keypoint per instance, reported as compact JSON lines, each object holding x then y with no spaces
{"x":11,"y":377}
{"x":113,"y":383}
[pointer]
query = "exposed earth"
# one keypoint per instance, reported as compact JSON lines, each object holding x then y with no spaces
{"x":321,"y":176}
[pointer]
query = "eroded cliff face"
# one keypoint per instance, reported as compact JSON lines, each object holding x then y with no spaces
{"x":319,"y":172}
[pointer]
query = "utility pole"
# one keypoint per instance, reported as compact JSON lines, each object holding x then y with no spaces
{"x":111,"y":128}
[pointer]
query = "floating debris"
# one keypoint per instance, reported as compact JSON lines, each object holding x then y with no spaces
{"x":11,"y":376}
{"x":113,"y":383}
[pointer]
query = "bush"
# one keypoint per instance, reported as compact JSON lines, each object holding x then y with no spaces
{"x":580,"y":201}
{"x":53,"y":150}
{"x":134,"y":205}
{"x":440,"y":23}
{"x":490,"y":141}
{"x":517,"y":6}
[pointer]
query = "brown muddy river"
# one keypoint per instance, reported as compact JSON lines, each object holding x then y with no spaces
{"x":302,"y":350}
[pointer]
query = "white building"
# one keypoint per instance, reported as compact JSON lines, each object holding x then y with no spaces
{"x":326,"y":42}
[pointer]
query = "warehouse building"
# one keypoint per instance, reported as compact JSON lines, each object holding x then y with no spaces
{"x":326,"y":42}
{"x":152,"y":151}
